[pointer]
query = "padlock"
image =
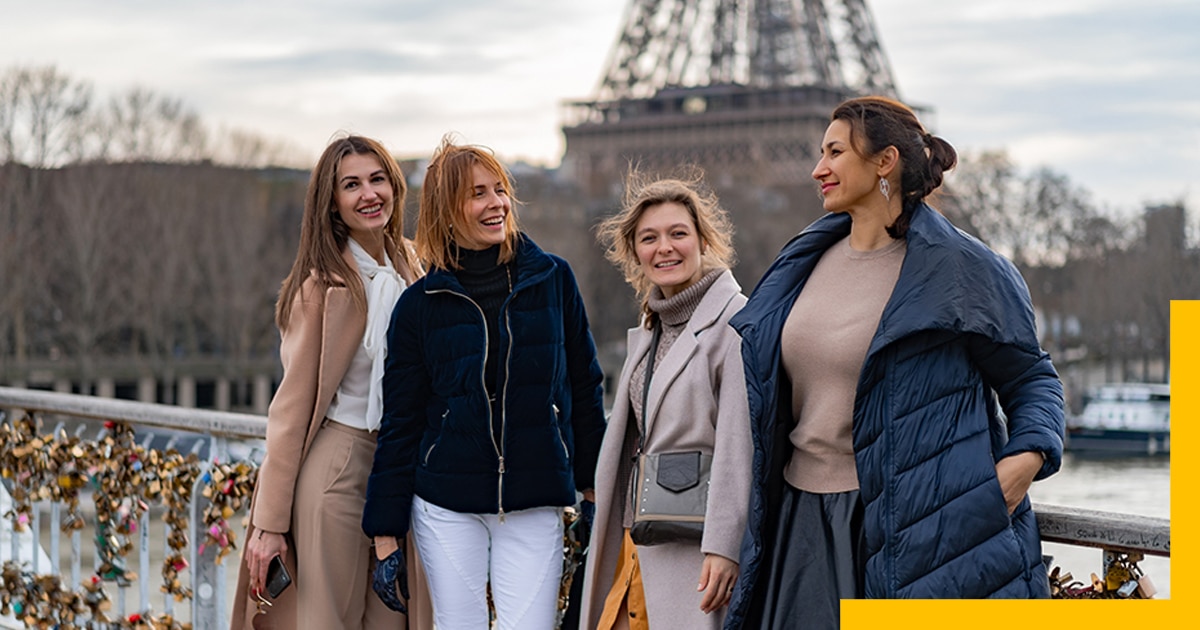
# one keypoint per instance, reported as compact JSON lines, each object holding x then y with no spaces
{"x":1127,"y":588}
{"x":1116,"y":577}
{"x":1146,"y":587}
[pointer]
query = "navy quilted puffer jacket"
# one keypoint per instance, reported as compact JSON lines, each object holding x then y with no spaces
{"x":957,"y":337}
{"x":439,"y":436}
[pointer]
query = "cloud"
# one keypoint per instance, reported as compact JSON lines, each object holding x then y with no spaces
{"x":1108,"y":89}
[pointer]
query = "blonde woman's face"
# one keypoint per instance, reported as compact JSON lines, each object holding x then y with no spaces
{"x":668,"y":247}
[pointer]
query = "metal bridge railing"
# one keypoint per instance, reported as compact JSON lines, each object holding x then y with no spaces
{"x":214,"y":439}
{"x":223,"y":437}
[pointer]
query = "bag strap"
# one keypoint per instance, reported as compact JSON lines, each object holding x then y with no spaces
{"x":646,"y":387}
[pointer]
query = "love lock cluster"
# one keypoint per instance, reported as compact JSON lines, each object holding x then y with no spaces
{"x":125,"y":479}
{"x":573,"y":549}
{"x":40,"y":601}
{"x":1123,"y":579}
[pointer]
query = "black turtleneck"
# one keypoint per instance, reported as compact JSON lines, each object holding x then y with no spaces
{"x":488,"y":283}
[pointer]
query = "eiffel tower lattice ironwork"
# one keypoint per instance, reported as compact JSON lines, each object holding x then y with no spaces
{"x":742,"y":88}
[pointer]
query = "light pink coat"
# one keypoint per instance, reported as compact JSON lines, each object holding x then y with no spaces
{"x":697,"y":401}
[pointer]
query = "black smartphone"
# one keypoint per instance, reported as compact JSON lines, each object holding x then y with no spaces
{"x":278,"y":578}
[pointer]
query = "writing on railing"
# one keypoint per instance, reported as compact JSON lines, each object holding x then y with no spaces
{"x":1105,"y":530}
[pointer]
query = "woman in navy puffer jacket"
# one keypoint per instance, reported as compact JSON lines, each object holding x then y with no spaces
{"x":900,"y":402}
{"x":493,"y":409}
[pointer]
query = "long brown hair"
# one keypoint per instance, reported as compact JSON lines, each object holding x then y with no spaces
{"x":323,"y":233}
{"x":448,"y":185}
{"x":618,"y":232}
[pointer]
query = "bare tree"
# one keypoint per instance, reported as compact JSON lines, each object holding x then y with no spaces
{"x":982,"y":199}
{"x":236,"y":147}
{"x":143,"y":126}
{"x":86,"y":287}
{"x":1052,"y":209}
{"x":12,"y":91}
{"x":243,"y":256}
{"x":54,"y":106}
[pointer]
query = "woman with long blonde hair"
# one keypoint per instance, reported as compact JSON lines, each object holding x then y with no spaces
{"x":681,"y":390}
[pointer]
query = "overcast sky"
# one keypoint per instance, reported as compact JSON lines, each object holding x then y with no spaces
{"x":1105,"y":91}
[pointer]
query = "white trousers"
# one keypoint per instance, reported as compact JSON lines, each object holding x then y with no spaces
{"x":521,"y":557}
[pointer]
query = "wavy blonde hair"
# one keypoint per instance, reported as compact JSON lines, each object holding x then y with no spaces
{"x":642,"y":192}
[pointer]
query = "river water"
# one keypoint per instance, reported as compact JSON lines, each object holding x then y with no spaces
{"x":1132,"y":485}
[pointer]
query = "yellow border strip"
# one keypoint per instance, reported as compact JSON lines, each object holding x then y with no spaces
{"x":1169,"y":613}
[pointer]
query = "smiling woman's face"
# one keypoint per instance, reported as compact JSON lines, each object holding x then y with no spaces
{"x":364,"y":195}
{"x":485,"y":213}
{"x":668,"y":247}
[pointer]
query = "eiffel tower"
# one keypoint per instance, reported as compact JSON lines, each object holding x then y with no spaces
{"x":742,"y":88}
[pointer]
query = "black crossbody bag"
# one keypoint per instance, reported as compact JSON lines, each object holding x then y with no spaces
{"x":669,"y":490}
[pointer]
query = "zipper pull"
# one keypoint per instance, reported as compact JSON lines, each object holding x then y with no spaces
{"x":500,"y":504}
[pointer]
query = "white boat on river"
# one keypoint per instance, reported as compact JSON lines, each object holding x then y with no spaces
{"x":1128,"y":418}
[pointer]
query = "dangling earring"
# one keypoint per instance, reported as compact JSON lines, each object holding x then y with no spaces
{"x":885,"y":188}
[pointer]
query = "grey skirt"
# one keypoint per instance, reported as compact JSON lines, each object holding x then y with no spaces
{"x":815,"y":560}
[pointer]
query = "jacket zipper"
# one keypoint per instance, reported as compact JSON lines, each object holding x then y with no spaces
{"x":435,"y":442}
{"x":504,"y":404}
{"x":499,"y":447}
{"x":557,"y":428}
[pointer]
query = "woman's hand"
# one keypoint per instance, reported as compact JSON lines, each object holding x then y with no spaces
{"x":384,"y":546}
{"x":1016,"y":473}
{"x":716,"y":580}
{"x":261,"y":547}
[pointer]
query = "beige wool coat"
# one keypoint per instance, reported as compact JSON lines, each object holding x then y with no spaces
{"x":324,"y":332}
{"x":697,"y":401}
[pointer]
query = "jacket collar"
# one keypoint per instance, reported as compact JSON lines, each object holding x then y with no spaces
{"x":708,"y":313}
{"x":530,"y":264}
{"x":949,"y":280}
{"x":712,"y":305}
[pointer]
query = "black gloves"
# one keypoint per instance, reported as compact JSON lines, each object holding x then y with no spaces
{"x":587,"y":514}
{"x":587,"y":510}
{"x":392,"y":574}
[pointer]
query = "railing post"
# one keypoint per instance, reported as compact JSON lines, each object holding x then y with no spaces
{"x":205,"y":613}
{"x":35,"y":529}
{"x":144,"y":560}
{"x":168,"y":598}
{"x":262,"y":393}
{"x":55,"y":534}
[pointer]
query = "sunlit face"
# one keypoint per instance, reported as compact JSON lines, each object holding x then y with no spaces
{"x":846,"y":178}
{"x":364,"y":196}
{"x":668,"y":247}
{"x":485,"y":213}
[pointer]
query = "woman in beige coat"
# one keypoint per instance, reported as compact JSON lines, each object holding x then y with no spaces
{"x":332,"y":314}
{"x":673,"y":244}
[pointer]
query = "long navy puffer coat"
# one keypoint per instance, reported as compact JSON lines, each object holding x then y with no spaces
{"x":440,"y":435}
{"x":956,"y":337}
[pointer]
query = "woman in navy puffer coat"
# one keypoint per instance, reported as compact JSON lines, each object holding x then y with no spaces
{"x":493,"y":409}
{"x":954,"y":412}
